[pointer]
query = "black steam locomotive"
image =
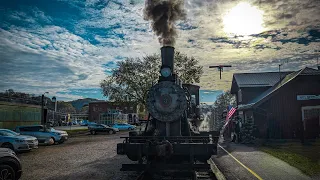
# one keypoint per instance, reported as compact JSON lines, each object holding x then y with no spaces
{"x":171,"y":139}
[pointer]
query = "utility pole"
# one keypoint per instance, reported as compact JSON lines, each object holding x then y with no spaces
{"x":42,"y":122}
{"x":280,"y":72}
{"x":54,"y":99}
{"x":281,"y":64}
{"x":220,"y":68}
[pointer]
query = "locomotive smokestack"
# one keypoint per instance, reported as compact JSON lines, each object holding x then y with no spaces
{"x":167,"y":55}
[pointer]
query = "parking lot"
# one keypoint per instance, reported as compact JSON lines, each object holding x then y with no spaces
{"x":81,"y":157}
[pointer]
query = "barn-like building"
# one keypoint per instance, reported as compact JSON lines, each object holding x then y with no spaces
{"x":282,"y":105}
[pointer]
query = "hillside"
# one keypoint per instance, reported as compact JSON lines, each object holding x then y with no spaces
{"x":79,"y":103}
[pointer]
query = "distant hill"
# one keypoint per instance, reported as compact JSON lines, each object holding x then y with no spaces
{"x":79,"y":103}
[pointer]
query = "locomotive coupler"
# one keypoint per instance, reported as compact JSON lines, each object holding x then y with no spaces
{"x":165,"y":149}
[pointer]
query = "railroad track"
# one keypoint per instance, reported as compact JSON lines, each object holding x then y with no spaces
{"x":212,"y":174}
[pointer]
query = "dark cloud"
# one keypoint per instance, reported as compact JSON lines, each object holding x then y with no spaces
{"x":191,"y":41}
{"x":82,"y":76}
{"x":231,"y":41}
{"x":186,"y":26}
{"x":222,"y":40}
{"x":289,"y":63}
{"x":285,"y":16}
{"x":265,"y":46}
{"x":312,"y":35}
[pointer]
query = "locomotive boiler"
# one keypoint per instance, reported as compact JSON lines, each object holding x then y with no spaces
{"x":171,"y":140}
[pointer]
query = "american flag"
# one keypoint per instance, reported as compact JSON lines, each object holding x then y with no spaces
{"x":230,"y":113}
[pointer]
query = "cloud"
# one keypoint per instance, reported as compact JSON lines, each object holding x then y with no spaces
{"x":66,"y":45}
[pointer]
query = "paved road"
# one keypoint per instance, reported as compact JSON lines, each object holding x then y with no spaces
{"x":80,"y":158}
{"x":255,"y":164}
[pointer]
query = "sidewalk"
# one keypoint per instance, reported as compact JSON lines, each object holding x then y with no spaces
{"x":250,"y":163}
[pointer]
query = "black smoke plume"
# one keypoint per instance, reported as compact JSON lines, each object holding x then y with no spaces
{"x":163,"y":14}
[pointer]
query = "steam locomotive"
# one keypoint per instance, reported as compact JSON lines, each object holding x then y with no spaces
{"x":171,"y":140}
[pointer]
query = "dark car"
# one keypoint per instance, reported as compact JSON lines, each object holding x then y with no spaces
{"x":94,"y":128}
{"x":10,"y":166}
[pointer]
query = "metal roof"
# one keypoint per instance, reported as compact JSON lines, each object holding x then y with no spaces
{"x":310,"y":71}
{"x":258,"y":79}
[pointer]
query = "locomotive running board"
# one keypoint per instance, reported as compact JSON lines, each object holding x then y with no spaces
{"x":165,"y":167}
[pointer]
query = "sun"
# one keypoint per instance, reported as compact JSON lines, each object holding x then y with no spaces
{"x":243,"y":19}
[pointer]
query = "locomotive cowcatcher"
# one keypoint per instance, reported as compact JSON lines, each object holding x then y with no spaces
{"x":171,"y":140}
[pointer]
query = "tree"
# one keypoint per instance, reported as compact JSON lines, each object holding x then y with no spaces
{"x":134,"y":77}
{"x":248,"y":131}
{"x":84,"y":110}
{"x":220,"y":105}
{"x":65,"y":107}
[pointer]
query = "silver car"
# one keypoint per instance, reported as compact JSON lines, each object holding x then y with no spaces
{"x":44,"y":135}
{"x":16,"y":142}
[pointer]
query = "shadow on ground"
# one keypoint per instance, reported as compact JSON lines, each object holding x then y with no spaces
{"x":108,"y":168}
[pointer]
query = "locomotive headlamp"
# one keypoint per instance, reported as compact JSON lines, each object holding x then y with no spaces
{"x":165,"y":71}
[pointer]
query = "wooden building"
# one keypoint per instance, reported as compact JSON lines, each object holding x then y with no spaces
{"x":288,"y":108}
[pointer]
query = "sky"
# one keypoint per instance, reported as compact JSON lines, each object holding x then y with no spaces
{"x":67,"y":47}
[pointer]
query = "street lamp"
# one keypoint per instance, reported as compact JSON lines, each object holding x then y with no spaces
{"x":42,"y":107}
{"x":54,"y":100}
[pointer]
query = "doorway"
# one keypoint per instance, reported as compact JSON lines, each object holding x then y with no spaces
{"x":311,"y":121}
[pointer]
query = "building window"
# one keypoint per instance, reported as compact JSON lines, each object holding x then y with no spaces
{"x":240,"y":95}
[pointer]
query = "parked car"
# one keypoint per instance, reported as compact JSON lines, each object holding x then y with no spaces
{"x":84,"y":123}
{"x":49,"y":136}
{"x":10,"y":166}
{"x":94,"y":128}
{"x":87,"y":123}
{"x":91,"y":123}
{"x":123,"y":126}
{"x":64,"y":134}
{"x":16,"y":142}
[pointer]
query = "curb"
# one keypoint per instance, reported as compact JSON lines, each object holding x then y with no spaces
{"x":216,"y":170}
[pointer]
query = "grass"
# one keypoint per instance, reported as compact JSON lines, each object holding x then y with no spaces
{"x":303,"y":158}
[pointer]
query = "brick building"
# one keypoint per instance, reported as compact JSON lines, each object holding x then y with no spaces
{"x":111,"y":112}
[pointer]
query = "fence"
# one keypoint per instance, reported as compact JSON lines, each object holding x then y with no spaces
{"x":14,"y":114}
